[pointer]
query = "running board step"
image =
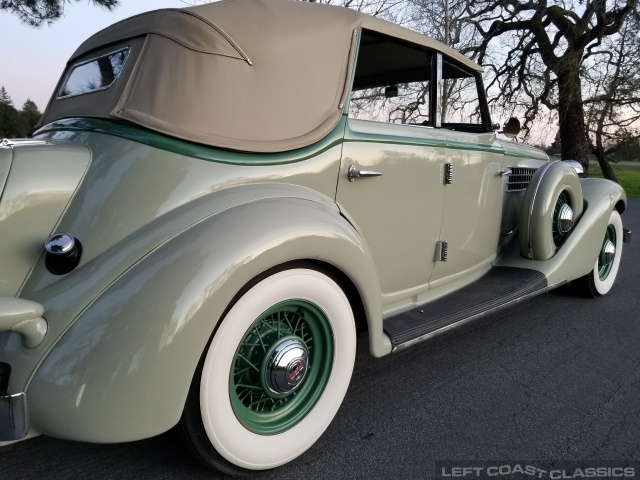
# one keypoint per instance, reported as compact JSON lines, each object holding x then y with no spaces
{"x":499,"y":288}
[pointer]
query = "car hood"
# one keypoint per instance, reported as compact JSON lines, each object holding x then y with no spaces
{"x":524,"y":151}
{"x":37,"y":181}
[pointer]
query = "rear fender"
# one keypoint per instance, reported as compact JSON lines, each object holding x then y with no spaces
{"x":64,"y":298}
{"x":34,"y":194}
{"x":123,"y":370}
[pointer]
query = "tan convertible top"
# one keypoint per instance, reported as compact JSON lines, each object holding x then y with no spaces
{"x":252,"y":75}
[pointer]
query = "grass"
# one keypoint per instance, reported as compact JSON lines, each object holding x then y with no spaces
{"x":627,"y":173}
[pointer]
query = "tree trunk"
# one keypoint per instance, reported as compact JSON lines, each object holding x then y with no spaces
{"x":605,"y":166}
{"x":573,"y":132}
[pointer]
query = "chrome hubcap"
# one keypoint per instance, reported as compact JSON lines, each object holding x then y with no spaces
{"x":608,"y":253}
{"x":286,"y":366}
{"x":565,"y":219}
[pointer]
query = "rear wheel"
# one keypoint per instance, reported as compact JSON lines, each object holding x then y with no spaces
{"x":600,"y":280}
{"x":274,"y":374}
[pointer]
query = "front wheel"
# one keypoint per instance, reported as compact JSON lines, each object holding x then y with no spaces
{"x":274,"y":375}
{"x":600,"y":280}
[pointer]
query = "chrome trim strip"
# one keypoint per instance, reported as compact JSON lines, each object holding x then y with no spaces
{"x":14,"y":421}
{"x":403,"y":346}
{"x":438,"y":99}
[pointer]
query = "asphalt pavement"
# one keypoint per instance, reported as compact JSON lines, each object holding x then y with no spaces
{"x":558,"y":377}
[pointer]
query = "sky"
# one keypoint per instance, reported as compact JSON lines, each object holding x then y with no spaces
{"x":33,"y":58}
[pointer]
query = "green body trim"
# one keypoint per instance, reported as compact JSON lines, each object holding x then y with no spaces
{"x":425,"y":141}
{"x":194,"y":150}
{"x":352,"y":136}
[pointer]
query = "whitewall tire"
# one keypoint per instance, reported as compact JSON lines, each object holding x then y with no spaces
{"x":276,"y":371}
{"x":601,"y":278}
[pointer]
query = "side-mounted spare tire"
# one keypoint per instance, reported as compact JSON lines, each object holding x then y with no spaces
{"x":552,"y":204}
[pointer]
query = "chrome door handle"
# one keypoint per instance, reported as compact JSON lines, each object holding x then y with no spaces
{"x":352,"y":173}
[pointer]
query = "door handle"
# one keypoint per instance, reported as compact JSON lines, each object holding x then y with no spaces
{"x":352,"y":173}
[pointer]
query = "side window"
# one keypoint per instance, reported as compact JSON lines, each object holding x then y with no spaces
{"x":95,"y":74}
{"x":403,"y":103}
{"x":399,"y":82}
{"x":459,"y":100}
{"x":392,"y":81}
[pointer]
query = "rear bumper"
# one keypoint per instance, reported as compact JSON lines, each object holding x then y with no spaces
{"x":14,"y":419}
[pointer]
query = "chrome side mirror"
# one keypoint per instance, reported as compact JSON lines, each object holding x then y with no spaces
{"x":511,"y":128}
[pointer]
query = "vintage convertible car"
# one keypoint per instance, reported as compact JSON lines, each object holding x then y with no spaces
{"x":220,"y":197}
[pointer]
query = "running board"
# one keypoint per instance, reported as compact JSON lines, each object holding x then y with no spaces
{"x":501,"y":287}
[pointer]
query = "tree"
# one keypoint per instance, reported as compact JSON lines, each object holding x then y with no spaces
{"x":17,"y":124}
{"x":537,"y":52}
{"x":4,"y":97}
{"x":37,"y":12}
{"x":30,"y":116}
{"x":10,"y":122}
{"x":613,"y":106}
{"x":628,"y":150}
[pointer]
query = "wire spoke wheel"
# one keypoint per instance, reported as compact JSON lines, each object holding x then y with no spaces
{"x":606,"y":258}
{"x":274,"y":374}
{"x":602,"y":276}
{"x":267,"y":409}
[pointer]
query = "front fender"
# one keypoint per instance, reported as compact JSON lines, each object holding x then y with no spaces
{"x":577,"y":256}
{"x":123,"y":369}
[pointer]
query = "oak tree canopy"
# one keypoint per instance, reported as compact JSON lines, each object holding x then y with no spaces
{"x":539,"y":52}
{"x":37,"y":12}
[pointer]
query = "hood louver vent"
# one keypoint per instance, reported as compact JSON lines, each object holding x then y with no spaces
{"x":519,"y":178}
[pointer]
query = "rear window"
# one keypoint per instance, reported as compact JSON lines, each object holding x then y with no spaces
{"x":95,"y":74}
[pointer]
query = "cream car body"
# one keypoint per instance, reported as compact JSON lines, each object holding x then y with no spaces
{"x":177,"y":233}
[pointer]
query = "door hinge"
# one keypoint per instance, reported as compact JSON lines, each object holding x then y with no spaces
{"x":442,"y":249}
{"x":448,"y":173}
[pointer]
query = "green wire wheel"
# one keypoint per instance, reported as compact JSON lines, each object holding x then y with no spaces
{"x":600,"y":279}
{"x":293,"y":339}
{"x":274,"y":374}
{"x":607,"y":253}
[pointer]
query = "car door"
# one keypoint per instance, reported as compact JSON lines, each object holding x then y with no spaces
{"x":472,"y":208}
{"x":473,"y":193}
{"x":398,"y":212}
